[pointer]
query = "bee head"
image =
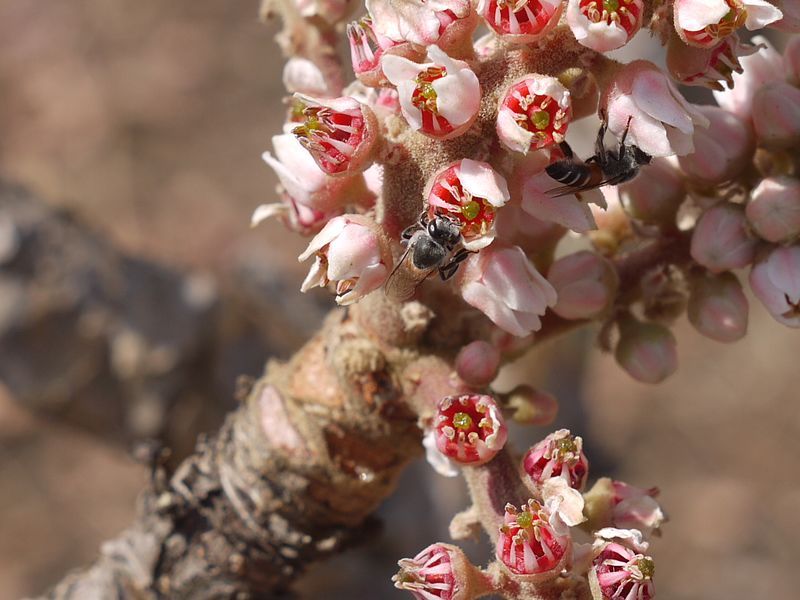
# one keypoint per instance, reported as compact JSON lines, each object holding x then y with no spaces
{"x":641,"y":157}
{"x":443,"y":229}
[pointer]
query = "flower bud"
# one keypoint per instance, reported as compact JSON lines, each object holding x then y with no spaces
{"x":654,"y":196}
{"x":520,"y":21}
{"x":718,"y":307}
{"x":534,"y":113}
{"x":351,"y":252}
{"x":439,"y":572}
{"x":720,"y":241}
{"x":440,"y":98}
{"x":647,"y":351}
{"x":302,"y":75}
{"x":776,"y":115}
{"x":469,"y":192}
{"x":619,"y":572}
{"x":604,"y":25}
{"x":708,"y":67}
{"x":586,"y":285}
{"x":560,"y":454}
{"x":477,"y":363}
{"x":532,"y":406}
{"x":791,"y":55}
{"x":528,"y":546}
{"x":469,"y":429}
{"x":616,"y":504}
{"x":704,"y":23}
{"x":722,"y":151}
{"x":775,"y":280}
{"x":774,"y":209}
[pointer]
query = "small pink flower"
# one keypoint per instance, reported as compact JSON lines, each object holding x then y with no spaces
{"x":521,"y":21}
{"x":654,"y":196}
{"x":303,"y":76}
{"x":470,"y":192}
{"x":720,"y":240}
{"x":469,"y":429}
{"x":760,"y":68}
{"x":774,"y":209}
{"x":704,"y":23}
{"x":775,"y":280}
{"x":367,"y":48}
{"x":661,"y":121}
{"x":619,"y":572}
{"x":350,"y":252}
{"x":295,"y":216}
{"x":439,"y":572}
{"x":339,"y":133}
{"x":477,"y":363}
{"x":722,"y":151}
{"x":438,"y":98}
{"x":707,"y":67}
{"x":534,"y":113}
{"x":776,"y":115}
{"x":420,"y":22}
{"x":636,"y":508}
{"x":586,"y":284}
{"x":527,"y":544}
{"x":647,"y":351}
{"x":502,"y":283}
{"x":718,"y":307}
{"x":604,"y":25}
{"x":560,"y":454}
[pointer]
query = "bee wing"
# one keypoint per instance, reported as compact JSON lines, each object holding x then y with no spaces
{"x":404,"y":278}
{"x":566,"y":190}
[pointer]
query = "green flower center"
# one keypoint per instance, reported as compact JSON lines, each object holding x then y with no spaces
{"x":462,"y":420}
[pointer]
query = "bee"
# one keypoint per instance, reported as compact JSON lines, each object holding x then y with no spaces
{"x":606,"y":167}
{"x":430,"y":245}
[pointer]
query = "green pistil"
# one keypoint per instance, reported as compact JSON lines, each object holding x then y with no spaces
{"x":462,"y":421}
{"x":471,"y":210}
{"x":566,"y":445}
{"x":540,"y":119}
{"x":524,"y":520}
{"x":611,"y":6}
{"x":646,"y":566}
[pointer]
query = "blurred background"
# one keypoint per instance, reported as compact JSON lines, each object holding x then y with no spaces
{"x":147,"y":120}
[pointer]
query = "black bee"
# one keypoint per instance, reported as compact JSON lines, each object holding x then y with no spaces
{"x":606,"y":167}
{"x":430,"y":245}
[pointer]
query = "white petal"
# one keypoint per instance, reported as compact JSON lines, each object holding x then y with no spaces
{"x":440,"y":463}
{"x":331,"y":230}
{"x":761,"y":13}
{"x":480,"y":180}
{"x":265,"y":211}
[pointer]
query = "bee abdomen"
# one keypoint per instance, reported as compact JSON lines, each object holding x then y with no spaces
{"x":570,"y":173}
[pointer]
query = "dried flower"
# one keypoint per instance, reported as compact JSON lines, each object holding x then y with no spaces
{"x":534,"y":113}
{"x":560,"y":454}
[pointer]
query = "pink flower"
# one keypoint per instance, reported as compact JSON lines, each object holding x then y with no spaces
{"x":350,"y":252}
{"x":477,"y":363}
{"x":619,"y":572}
{"x":470,"y":192}
{"x":295,"y":216}
{"x":586,"y":284}
{"x":302,"y":75}
{"x":776,"y":115}
{"x":708,"y":67}
{"x":647,"y":351}
{"x":521,"y":21}
{"x":775,"y":280}
{"x":534,"y":113}
{"x":439,"y":572}
{"x":760,"y":68}
{"x":661,"y":121}
{"x":501,"y":282}
{"x":527,"y":544}
{"x":774,"y":209}
{"x":469,"y":429}
{"x":419,"y":22}
{"x":571,"y":211}
{"x":703,"y":23}
{"x":560,"y":454}
{"x":718,"y":307}
{"x":604,"y":25}
{"x":616,"y":506}
{"x":367,"y":48}
{"x":720,"y":240}
{"x":655,"y":194}
{"x":339,"y":133}
{"x":438,"y":98}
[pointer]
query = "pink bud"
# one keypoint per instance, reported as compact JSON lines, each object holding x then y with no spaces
{"x":469,"y":429}
{"x":774,"y":209}
{"x":704,"y":23}
{"x":469,"y":192}
{"x":791,"y":55}
{"x":527,"y":544}
{"x":658,"y":128}
{"x":647,"y":351}
{"x":722,"y":151}
{"x":604,"y":25}
{"x":654,"y":196}
{"x":438,"y":98}
{"x":708,"y":67}
{"x":586,"y":285}
{"x":534,"y":113}
{"x":718,"y":307}
{"x":367,"y":47}
{"x":776,"y":115}
{"x":775,"y":280}
{"x":720,"y":240}
{"x":351,"y":252}
{"x":532,"y":406}
{"x":477,"y":363}
{"x":790,"y":22}
{"x":439,"y":572}
{"x":619,"y":572}
{"x":560,"y":454}
{"x":502,"y":283}
{"x":520,"y":22}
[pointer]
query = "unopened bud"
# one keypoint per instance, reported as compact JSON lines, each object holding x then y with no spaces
{"x":647,"y":351}
{"x":655,"y":195}
{"x":477,"y":363}
{"x":774,"y":209}
{"x":720,"y":241}
{"x":775,"y":280}
{"x":791,"y":56}
{"x":439,"y":572}
{"x":532,"y":406}
{"x":718,"y":307}
{"x":776,"y":115}
{"x":586,"y":285}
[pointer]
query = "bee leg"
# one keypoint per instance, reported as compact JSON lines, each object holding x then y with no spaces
{"x":599,"y":144}
{"x":408,"y":232}
{"x":625,"y":133}
{"x":448,"y":270}
{"x":567,"y":150}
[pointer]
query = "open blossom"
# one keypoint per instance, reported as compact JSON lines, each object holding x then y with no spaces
{"x":720,"y":240}
{"x":439,"y":572}
{"x":586,"y":284}
{"x":422,"y":22}
{"x":501,"y":282}
{"x":521,"y":21}
{"x":560,"y":454}
{"x":438,"y":98}
{"x":350,"y":252}
{"x":469,"y":429}
{"x":470,"y":192}
{"x":367,"y":48}
{"x":528,"y":545}
{"x":619,"y":572}
{"x":604,"y":25}
{"x":615,"y":505}
{"x":759,"y":68}
{"x":703,"y":23}
{"x":775,"y":280}
{"x":661,"y":121}
{"x":708,"y":67}
{"x":534,"y":113}
{"x":338,"y":133}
